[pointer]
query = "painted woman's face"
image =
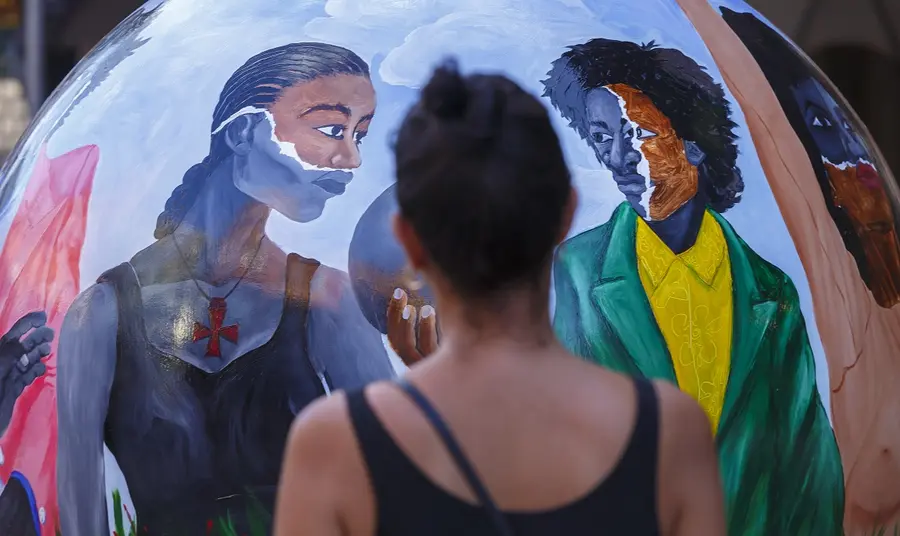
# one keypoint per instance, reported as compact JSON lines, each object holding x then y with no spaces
{"x":304,"y":152}
{"x":856,"y":187}
{"x":844,"y":155}
{"x":834,"y":135}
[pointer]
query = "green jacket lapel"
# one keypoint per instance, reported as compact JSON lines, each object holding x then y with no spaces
{"x":620,"y":298}
{"x":753,"y":312}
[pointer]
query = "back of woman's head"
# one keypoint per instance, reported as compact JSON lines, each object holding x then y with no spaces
{"x":482,"y":180}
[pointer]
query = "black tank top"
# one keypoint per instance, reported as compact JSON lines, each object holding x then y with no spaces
{"x":198,"y":449}
{"x":410,"y":504}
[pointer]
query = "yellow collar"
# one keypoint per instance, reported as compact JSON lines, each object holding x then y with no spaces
{"x":703,"y":258}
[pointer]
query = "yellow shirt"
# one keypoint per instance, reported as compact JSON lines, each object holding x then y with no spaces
{"x":691,"y":298}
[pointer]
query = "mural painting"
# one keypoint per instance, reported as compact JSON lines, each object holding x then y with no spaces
{"x":39,"y":279}
{"x":22,"y":350}
{"x":851,"y":184}
{"x":667,"y":289}
{"x":241,"y":334}
{"x":230,"y":258}
{"x":844,"y":230}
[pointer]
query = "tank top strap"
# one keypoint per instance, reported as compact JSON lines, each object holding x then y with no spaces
{"x":129,"y":303}
{"x":298,"y":278}
{"x":388,"y":467}
{"x":298,"y":284}
{"x":292,"y":335}
{"x":641,"y":457}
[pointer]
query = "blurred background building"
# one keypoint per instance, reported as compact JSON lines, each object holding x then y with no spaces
{"x":856,"y":42}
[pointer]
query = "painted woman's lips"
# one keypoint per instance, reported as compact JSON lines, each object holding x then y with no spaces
{"x":331,"y":186}
{"x":868,"y":175}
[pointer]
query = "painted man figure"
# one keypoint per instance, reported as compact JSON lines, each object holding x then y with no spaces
{"x":667,"y":289}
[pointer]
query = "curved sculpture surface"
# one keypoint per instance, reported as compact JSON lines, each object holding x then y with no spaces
{"x":196,"y":244}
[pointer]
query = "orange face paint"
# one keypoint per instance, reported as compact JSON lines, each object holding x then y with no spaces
{"x":864,"y":200}
{"x":674,"y":177}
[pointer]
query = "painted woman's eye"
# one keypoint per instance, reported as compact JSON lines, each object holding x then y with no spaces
{"x":644,"y":134}
{"x":333,"y":131}
{"x":360,"y":135}
{"x":602,"y":137}
{"x":820,"y":121}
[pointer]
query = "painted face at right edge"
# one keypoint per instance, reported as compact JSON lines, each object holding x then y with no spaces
{"x":856,"y":187}
{"x":634,"y":140}
{"x":856,"y":184}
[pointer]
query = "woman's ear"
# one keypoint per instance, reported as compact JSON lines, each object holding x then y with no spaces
{"x":410,"y":242}
{"x":239,"y":134}
{"x":568,"y":215}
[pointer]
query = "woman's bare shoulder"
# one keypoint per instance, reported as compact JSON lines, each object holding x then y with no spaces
{"x":321,"y":426}
{"x":324,"y":472}
{"x":324,"y":431}
{"x":680,"y":414}
{"x":685,"y":437}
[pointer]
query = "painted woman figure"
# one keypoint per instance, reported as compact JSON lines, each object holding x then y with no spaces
{"x":191,"y":360}
{"x":852,"y":185}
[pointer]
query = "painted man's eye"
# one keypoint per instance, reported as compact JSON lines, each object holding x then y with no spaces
{"x":644,"y":134}
{"x":333,"y":131}
{"x":820,"y":121}
{"x":602,"y":137}
{"x":360,"y":136}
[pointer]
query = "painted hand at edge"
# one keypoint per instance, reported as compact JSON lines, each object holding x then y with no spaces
{"x":411,"y":341}
{"x":20,"y":360}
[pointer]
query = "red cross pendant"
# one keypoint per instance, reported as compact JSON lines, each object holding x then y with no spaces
{"x":217,"y":308}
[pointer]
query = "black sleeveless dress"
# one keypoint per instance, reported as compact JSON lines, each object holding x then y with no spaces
{"x":201,"y":451}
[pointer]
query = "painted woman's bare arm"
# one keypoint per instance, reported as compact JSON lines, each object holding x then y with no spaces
{"x":85,"y":370}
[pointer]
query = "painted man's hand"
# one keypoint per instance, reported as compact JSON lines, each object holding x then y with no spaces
{"x":20,"y":360}
{"x":411,"y":341}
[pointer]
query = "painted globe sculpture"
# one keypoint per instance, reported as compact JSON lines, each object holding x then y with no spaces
{"x":197,"y":244}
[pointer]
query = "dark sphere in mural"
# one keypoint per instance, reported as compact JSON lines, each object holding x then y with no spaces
{"x":377,"y":264}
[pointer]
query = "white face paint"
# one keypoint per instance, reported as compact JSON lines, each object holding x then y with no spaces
{"x":273,"y":173}
{"x":845,"y":165}
{"x":643,"y":167}
{"x":841,"y":166}
{"x":285,"y":148}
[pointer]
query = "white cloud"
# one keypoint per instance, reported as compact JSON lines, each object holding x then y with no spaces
{"x":487,"y":34}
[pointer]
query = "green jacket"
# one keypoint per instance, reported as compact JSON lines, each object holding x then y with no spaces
{"x":779,"y":460}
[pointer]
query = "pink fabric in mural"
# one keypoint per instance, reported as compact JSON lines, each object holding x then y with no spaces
{"x":39,"y":271}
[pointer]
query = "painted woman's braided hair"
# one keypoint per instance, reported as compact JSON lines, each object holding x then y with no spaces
{"x":258,"y":83}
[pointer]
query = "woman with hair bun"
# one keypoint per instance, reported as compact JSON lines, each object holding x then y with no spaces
{"x":548,"y":444}
{"x":191,"y":360}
